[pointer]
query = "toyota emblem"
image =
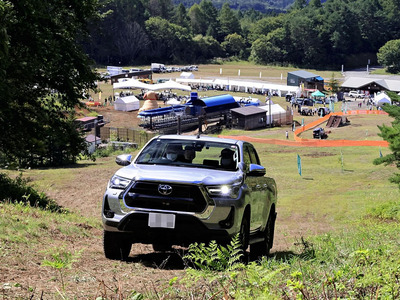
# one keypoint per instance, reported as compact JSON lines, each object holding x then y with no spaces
{"x":164,"y":189}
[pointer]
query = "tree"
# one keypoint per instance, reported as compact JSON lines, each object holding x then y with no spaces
{"x":180,"y":16}
{"x":43,"y":78}
{"x":197,"y":20}
{"x":233,"y":44}
{"x":315,"y":3}
{"x":160,"y":8}
{"x":333,"y":84}
{"x":270,"y":48}
{"x":389,"y":56}
{"x":170,"y":42}
{"x":210,"y":14}
{"x":120,"y":37}
{"x":299,"y":4}
{"x":228,"y":20}
{"x":392,"y":136}
{"x":206,"y":47}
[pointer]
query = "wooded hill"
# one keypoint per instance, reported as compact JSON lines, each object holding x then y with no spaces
{"x":260,"y":5}
{"x":313,"y":34}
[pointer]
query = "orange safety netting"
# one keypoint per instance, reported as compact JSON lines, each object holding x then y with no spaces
{"x":299,"y":142}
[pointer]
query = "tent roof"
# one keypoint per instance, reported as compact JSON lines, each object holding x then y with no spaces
{"x":126,"y":100}
{"x":318,"y":94}
{"x":170,"y":84}
{"x":186,"y":75}
{"x":275,"y":108}
{"x":130,"y":84}
{"x":382,"y":98}
{"x":136,"y":84}
{"x":243,"y":84}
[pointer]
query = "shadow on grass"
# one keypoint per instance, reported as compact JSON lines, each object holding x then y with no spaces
{"x":174,"y":260}
{"x":160,"y":260}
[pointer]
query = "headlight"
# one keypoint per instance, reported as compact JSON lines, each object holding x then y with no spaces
{"x":117,"y":182}
{"x":231,"y":191}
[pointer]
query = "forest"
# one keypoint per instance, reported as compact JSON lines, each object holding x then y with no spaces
{"x":306,"y":34}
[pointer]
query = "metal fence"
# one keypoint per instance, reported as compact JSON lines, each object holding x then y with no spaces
{"x":139,"y":137}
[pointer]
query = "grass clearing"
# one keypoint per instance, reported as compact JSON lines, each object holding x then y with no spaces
{"x":336,"y":232}
{"x":318,"y":221}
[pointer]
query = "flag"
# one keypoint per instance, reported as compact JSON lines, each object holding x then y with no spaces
{"x":302,"y":122}
{"x":299,"y":164}
{"x":380,"y":153}
{"x":341,"y":159}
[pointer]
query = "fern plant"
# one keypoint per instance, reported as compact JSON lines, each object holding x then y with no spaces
{"x":216,"y":257}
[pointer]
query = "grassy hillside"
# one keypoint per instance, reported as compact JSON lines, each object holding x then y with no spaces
{"x":329,"y":241}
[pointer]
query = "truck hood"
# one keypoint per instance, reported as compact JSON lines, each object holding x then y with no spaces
{"x":179,"y":174}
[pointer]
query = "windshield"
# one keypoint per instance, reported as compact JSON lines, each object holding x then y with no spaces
{"x":194,"y":153}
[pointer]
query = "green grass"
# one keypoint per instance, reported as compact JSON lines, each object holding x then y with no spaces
{"x":360,"y":263}
{"x":340,"y":193}
{"x":359,"y":257}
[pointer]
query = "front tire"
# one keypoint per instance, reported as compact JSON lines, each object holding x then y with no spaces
{"x":244,"y":234}
{"x":260,"y":249}
{"x":116,"y":245}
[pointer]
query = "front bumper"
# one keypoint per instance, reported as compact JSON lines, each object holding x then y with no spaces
{"x":188,"y":229}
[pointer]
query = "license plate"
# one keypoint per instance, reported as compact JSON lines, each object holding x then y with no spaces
{"x":161,"y":220}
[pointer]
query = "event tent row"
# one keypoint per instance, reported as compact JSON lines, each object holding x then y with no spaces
{"x":136,"y":84}
{"x":238,"y":85}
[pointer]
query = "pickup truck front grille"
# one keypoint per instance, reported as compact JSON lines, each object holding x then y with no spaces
{"x":180,"y":197}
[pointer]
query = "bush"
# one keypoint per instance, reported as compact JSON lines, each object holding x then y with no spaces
{"x":387,"y":211}
{"x":18,"y":190}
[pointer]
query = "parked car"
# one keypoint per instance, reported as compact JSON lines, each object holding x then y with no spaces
{"x":356,"y":94}
{"x":184,"y":189}
{"x":319,"y":133}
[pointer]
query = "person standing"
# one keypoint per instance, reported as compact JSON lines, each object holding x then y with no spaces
{"x":287,"y":134}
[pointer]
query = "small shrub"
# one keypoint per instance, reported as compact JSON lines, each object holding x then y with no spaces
{"x":18,"y":190}
{"x":387,"y":211}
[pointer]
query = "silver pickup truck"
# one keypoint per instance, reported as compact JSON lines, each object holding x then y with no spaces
{"x":184,"y":189}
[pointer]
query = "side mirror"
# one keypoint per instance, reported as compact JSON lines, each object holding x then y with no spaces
{"x":124,"y":159}
{"x":256,"y":170}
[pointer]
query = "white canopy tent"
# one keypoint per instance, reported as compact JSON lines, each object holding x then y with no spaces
{"x":382,"y":98}
{"x":187,"y":75}
{"x":136,"y":84}
{"x":130,"y":84}
{"x":127,"y":103}
{"x":244,"y":86}
{"x":272,"y":110}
